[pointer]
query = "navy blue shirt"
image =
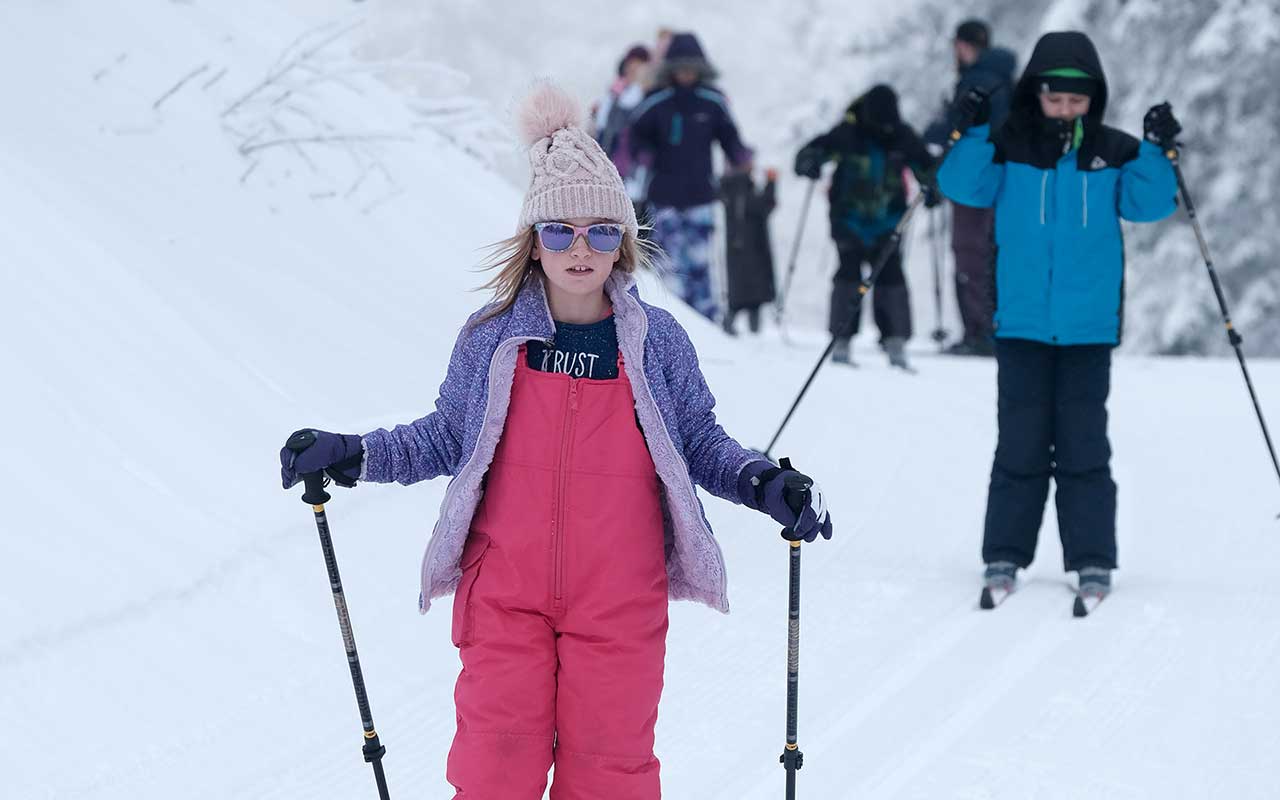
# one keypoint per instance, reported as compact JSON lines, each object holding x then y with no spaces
{"x":579,"y":351}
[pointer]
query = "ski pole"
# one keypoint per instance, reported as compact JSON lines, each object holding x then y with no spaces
{"x":1233,"y":336}
{"x":792,"y":759}
{"x":316,"y":496}
{"x":935,"y":247}
{"x":795,"y":252}
{"x":882,"y":261}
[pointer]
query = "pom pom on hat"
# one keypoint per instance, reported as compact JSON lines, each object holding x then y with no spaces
{"x":547,"y":109}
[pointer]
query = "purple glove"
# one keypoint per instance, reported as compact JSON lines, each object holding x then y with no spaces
{"x":339,"y":455}
{"x":791,"y":498}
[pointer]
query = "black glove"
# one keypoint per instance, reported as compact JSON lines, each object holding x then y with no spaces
{"x":340,"y":455}
{"x":971,"y":108}
{"x":932,"y":197}
{"x":809,"y":164}
{"x":1160,"y":127}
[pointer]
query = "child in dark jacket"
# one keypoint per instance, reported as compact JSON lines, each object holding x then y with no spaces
{"x":575,"y":421}
{"x":1060,"y":182}
{"x":671,"y":138}
{"x":872,"y":148}
{"x":748,"y":252}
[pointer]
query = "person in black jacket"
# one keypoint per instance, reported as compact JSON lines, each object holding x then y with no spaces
{"x":872,"y":147}
{"x":989,"y":69}
{"x":672,"y":132}
{"x":748,"y":253}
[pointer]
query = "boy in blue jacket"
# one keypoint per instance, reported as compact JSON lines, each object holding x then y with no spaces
{"x":1060,"y":182}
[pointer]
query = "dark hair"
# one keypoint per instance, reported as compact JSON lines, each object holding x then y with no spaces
{"x":975,"y":32}
{"x":637,"y":53}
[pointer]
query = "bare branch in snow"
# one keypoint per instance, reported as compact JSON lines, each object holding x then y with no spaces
{"x":209,"y":83}
{"x":280,"y":69}
{"x":178,"y":86}
{"x":336,"y":139}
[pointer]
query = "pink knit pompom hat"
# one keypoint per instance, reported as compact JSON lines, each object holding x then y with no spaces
{"x":572,"y":177}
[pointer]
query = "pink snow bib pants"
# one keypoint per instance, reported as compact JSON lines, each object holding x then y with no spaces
{"x":561,"y":613}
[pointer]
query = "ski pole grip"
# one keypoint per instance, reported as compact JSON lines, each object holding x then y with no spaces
{"x":315,"y":495}
{"x":788,"y":533}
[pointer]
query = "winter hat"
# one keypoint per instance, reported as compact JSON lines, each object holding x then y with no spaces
{"x":1067,"y":79}
{"x":685,"y":52}
{"x":975,"y":32}
{"x":637,"y":53}
{"x":572,"y":177}
{"x":877,"y":110}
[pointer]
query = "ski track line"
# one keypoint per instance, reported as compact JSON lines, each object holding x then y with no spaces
{"x":894,"y":775}
{"x":941,"y":639}
{"x":35,"y":646}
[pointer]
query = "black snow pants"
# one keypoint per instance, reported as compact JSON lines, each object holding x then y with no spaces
{"x":890,"y":301}
{"x":1053,"y":424}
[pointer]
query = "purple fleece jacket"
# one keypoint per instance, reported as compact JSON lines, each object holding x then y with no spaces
{"x":673,"y":405}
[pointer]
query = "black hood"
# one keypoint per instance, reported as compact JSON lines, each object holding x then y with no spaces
{"x":876,"y":112}
{"x":1057,"y":51}
{"x":684,"y":52}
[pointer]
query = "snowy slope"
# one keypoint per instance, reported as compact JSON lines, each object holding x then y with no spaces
{"x":166,"y":628}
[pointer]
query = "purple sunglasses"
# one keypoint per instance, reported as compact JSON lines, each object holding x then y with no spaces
{"x":603,"y":237}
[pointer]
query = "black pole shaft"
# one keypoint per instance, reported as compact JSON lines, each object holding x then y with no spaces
{"x":792,"y":759}
{"x":882,"y":260}
{"x":1233,"y":336}
{"x":935,"y":252}
{"x":373,"y":749}
{"x":795,"y":248}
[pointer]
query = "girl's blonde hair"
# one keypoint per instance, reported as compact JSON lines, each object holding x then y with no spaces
{"x":513,"y":261}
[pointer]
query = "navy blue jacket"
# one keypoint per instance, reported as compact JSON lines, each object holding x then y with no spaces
{"x":672,"y":131}
{"x":992,"y":73}
{"x":1060,"y":254}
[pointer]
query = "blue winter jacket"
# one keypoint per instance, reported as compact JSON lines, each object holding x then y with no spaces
{"x":672,"y":133}
{"x":1059,"y":269}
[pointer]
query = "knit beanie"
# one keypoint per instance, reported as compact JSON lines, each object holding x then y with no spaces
{"x":572,"y":177}
{"x":1068,"y":79}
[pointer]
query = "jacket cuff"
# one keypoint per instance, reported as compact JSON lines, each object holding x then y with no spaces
{"x":374,"y":467}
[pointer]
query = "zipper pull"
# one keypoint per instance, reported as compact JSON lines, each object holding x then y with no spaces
{"x":573,"y":394}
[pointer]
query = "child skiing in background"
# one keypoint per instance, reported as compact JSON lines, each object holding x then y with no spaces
{"x":748,"y":252}
{"x":575,"y":421}
{"x":872,"y":147}
{"x":671,"y":138}
{"x":1060,"y":182}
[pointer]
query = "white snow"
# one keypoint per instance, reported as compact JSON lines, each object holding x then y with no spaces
{"x":166,"y":628}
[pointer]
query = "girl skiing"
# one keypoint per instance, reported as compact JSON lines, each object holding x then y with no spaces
{"x":1060,"y":182}
{"x":575,"y":421}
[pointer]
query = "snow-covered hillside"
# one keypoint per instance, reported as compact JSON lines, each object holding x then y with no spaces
{"x":196,"y":266}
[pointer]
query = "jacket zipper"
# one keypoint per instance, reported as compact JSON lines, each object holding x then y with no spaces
{"x":1044,"y":185}
{"x":558,"y":527}
{"x":1084,"y":199}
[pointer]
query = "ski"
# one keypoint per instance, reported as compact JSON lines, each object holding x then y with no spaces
{"x":993,"y":596}
{"x":1085,"y":603}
